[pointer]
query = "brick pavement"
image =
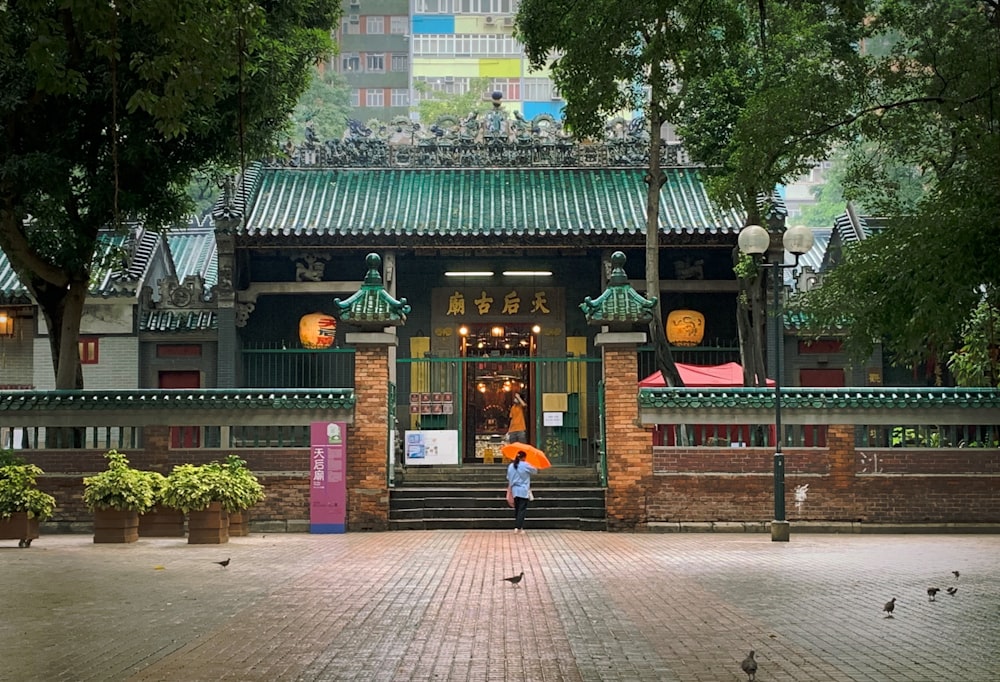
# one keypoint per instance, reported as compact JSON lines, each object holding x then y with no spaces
{"x":432,"y":605}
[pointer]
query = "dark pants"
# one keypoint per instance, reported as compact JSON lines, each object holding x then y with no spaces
{"x":517,"y":437}
{"x":520,"y":509}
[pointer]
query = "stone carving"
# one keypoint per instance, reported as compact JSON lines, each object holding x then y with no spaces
{"x":689,"y":268}
{"x":243,"y":311}
{"x":309,"y":268}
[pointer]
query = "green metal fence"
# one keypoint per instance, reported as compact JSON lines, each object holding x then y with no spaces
{"x":276,"y":367}
{"x":472,"y":396}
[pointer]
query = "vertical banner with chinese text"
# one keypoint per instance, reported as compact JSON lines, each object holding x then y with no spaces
{"x":328,"y":477}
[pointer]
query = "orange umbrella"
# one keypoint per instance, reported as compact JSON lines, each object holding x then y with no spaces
{"x":535,"y":457}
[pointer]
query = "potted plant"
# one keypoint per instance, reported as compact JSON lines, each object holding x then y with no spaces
{"x":22,"y":504}
{"x":207,"y":493}
{"x":162,"y":521}
{"x":244,"y":491}
{"x":117,"y":496}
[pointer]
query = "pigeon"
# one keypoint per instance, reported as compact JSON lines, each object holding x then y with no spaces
{"x":889,"y":607}
{"x":222,"y":563}
{"x":956,"y":573}
{"x":749,"y":666}
{"x":932,"y":592}
{"x":952,"y":591}
{"x":515,"y":579}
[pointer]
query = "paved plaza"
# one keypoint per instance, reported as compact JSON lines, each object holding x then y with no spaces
{"x":432,"y":605}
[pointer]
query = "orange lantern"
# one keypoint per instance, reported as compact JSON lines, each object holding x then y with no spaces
{"x":317,"y":330}
{"x":685,"y":327}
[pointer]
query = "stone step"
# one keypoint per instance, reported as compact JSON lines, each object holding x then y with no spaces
{"x":507,"y":524}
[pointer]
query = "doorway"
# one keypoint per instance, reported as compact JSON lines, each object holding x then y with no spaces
{"x":497,"y":373}
{"x":182,"y":436}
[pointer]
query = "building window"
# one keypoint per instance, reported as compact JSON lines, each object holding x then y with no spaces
{"x":374,"y":26}
{"x":355,"y":98}
{"x":399,"y":25}
{"x":510,"y":87}
{"x":350,"y":63}
{"x":89,"y":347}
{"x":400,"y":97}
{"x":536,"y":89}
{"x":434,"y":7}
{"x":400,"y":63}
{"x":375,"y":63}
{"x":351,"y":25}
{"x":375,"y":98}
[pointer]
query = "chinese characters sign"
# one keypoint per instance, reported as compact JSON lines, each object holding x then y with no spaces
{"x":495,"y":303}
{"x":328,"y":477}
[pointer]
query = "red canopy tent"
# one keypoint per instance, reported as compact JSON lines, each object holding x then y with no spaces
{"x":703,"y":376}
{"x":729,"y":375}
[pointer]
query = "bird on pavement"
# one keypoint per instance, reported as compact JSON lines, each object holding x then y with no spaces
{"x":515,"y":579}
{"x":956,"y":573}
{"x":222,"y":563}
{"x":749,"y":666}
{"x":932,"y":592}
{"x":889,"y":607}
{"x":952,"y":591}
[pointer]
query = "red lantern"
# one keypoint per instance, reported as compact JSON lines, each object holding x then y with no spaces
{"x":685,"y":327}
{"x":317,"y":330}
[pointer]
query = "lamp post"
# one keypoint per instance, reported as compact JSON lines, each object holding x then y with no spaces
{"x":755,"y":241}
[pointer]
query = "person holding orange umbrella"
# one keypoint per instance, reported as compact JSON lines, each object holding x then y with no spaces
{"x":519,"y":475}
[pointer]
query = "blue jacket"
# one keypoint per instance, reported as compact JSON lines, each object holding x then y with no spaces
{"x":519,"y":479}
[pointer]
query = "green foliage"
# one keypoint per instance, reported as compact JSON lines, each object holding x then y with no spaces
{"x":760,"y":93}
{"x":107,"y":110}
{"x":120,"y":487}
{"x":929,"y":114}
{"x":324,"y":107}
{"x":19,"y":489}
{"x":434,"y":105}
{"x":977,"y":362}
{"x":193,"y":487}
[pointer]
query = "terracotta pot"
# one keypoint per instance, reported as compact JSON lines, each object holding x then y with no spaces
{"x":239,"y":523}
{"x":19,"y":527}
{"x":113,"y":525}
{"x":208,"y":526}
{"x":162,"y":522}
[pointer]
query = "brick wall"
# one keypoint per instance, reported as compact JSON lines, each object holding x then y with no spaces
{"x":887,"y":485}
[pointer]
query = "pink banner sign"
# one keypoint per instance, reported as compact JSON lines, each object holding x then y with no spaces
{"x":328,"y":477}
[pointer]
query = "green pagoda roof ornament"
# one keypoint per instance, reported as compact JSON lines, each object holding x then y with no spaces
{"x":371,"y":307}
{"x":620,"y":307}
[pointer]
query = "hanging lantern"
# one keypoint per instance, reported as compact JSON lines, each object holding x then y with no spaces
{"x":317,"y":330}
{"x":685,"y":327}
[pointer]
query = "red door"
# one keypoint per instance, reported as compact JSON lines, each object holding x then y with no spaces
{"x":182,"y":436}
{"x":815,"y":436}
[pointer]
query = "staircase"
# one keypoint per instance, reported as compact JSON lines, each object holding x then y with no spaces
{"x":473,"y":497}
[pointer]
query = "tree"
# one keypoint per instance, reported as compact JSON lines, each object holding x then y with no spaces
{"x":606,"y":57}
{"x":753,"y":87}
{"x":434,"y":104}
{"x":931,"y":109}
{"x":760,"y":94}
{"x":108,"y":109}
{"x":324,"y":107}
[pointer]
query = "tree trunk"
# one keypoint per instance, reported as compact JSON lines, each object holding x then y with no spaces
{"x":654,"y":182}
{"x":63,"y":310}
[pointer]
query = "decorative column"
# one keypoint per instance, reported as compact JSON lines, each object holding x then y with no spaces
{"x":372,"y":312}
{"x":227,"y":217}
{"x":620,"y":311}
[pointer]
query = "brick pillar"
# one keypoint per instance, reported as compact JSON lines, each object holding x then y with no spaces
{"x":629,"y":447}
{"x":840,"y":441}
{"x":156,"y":443}
{"x":368,"y":436}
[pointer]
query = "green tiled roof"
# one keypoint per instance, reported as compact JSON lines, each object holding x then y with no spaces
{"x":821,"y":398}
{"x":477,"y":203}
{"x":178,"y":320}
{"x":620,"y":306}
{"x":372,"y":306}
{"x":23,"y":406}
{"x":194,"y":252}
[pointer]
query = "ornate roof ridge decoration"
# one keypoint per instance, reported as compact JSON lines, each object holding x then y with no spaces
{"x":820,"y":398}
{"x":371,"y":307}
{"x":233,"y":203}
{"x":496,"y":139}
{"x":620,"y":307}
{"x":202,"y":398}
